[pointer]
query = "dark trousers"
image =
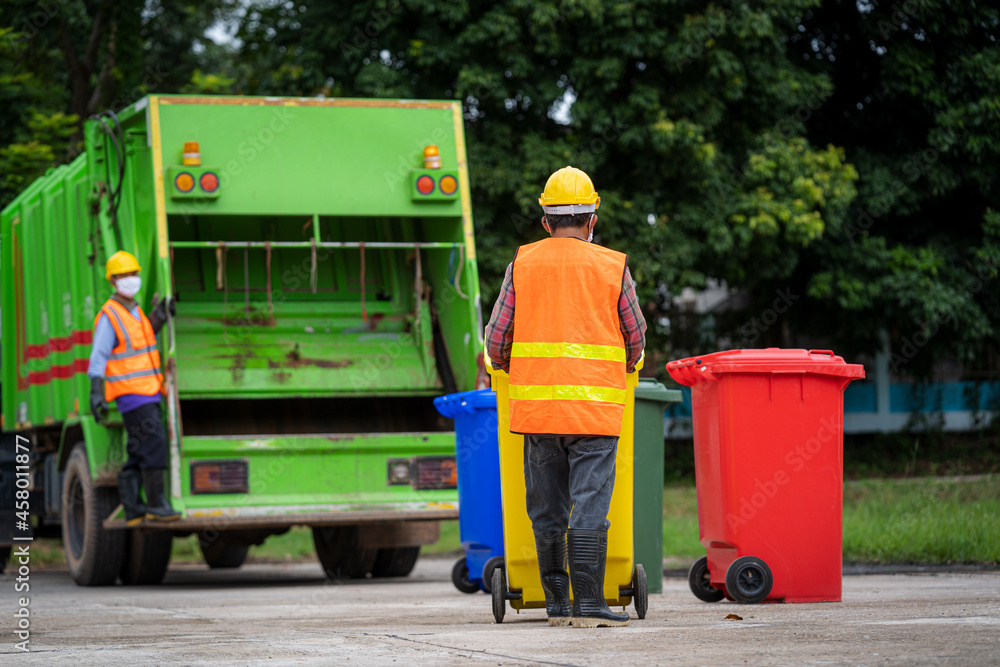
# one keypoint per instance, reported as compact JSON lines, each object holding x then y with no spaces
{"x":568,"y":474}
{"x":147,"y":441}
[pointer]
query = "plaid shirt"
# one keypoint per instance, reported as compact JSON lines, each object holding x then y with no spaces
{"x":500,"y":330}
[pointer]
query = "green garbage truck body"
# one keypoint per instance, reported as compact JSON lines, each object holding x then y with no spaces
{"x":321,"y":255}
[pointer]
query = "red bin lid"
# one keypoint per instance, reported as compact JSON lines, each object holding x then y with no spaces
{"x":771,"y":360}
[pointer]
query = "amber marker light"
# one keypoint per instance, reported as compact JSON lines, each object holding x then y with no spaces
{"x":448,"y":185}
{"x":184,"y":182}
{"x":432,"y":157}
{"x":192,"y":154}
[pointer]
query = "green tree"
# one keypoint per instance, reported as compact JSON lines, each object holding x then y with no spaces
{"x":689,"y":117}
{"x":916,"y":105}
{"x":62,"y":61}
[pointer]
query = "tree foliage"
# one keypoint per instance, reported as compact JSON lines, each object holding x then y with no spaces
{"x":62,"y":61}
{"x":689,"y":117}
{"x":916,"y":106}
{"x":838,"y":156}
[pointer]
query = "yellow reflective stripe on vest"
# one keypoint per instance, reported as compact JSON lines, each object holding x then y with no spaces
{"x":146,"y":372}
{"x":569,"y":350}
{"x":129,"y":353}
{"x":566,"y":392}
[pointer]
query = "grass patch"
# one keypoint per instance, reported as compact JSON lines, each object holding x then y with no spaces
{"x":680,"y":522}
{"x":926,"y":520}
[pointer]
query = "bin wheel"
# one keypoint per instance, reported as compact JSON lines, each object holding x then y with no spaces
{"x":640,"y":591}
{"x":749,"y":580}
{"x":700,"y":581}
{"x":488,"y":569}
{"x":498,"y":586}
{"x":460,"y":577}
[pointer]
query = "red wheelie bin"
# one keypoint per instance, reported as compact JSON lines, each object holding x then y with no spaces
{"x":768,"y":443}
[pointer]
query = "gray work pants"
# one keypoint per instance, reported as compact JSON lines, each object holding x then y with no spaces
{"x":564,"y":473}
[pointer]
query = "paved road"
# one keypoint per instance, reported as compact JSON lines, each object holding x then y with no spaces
{"x":289,"y":614}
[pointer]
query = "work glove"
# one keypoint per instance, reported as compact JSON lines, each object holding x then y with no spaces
{"x":98,"y":406}
{"x":158,"y":314}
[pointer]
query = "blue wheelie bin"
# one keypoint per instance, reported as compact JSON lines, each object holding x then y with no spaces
{"x":480,"y":512}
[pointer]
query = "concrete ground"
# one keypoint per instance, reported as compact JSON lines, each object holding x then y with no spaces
{"x":290,"y":614}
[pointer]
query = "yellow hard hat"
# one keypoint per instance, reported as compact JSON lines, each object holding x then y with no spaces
{"x":569,"y":191}
{"x":121,"y":262}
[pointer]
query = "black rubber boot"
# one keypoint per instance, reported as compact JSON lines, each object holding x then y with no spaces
{"x":555,"y":580}
{"x":128,"y":490}
{"x":157,"y":505}
{"x":588,"y":551}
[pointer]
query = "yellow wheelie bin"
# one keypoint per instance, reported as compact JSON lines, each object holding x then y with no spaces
{"x":517,"y":579}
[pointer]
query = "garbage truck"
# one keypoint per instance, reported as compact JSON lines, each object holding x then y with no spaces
{"x":320,"y":253}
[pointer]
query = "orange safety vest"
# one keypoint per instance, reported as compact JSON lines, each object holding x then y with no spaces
{"x":134,"y":364}
{"x":567,"y":362}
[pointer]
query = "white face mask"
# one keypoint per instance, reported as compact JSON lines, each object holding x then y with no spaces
{"x":591,"y":237}
{"x":128,"y":286}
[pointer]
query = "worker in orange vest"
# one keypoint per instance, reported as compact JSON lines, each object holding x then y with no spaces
{"x":125,"y":367}
{"x":575,"y":333}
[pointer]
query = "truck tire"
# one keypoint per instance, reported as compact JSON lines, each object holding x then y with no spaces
{"x":395,"y":562}
{"x":4,"y":557}
{"x":340,"y":552}
{"x":93,"y":555}
{"x":220,"y":554}
{"x":147,"y":554}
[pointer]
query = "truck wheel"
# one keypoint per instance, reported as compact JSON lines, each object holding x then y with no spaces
{"x":147,"y":554}
{"x":220,"y":554}
{"x":340,"y":552}
{"x":4,"y":557}
{"x":395,"y":562}
{"x":94,"y":555}
{"x":700,"y":582}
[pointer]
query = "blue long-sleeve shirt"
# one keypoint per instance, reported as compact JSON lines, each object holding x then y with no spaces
{"x":105,"y":340}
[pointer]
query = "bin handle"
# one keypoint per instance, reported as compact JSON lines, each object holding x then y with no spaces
{"x":830,"y":352}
